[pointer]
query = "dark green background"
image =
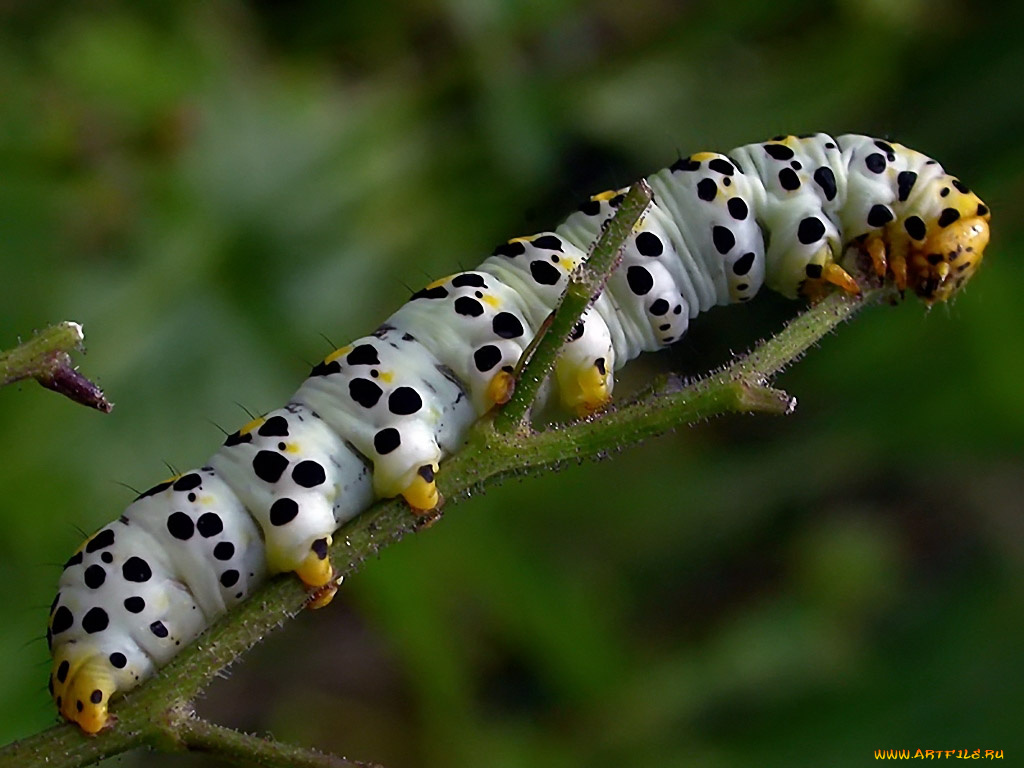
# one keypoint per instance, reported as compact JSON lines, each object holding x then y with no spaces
{"x":209,"y":187}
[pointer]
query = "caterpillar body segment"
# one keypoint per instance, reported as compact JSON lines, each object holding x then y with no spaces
{"x":801,"y":215}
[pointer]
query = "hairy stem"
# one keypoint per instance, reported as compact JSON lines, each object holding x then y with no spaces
{"x":155,"y":714}
{"x":197,"y":735}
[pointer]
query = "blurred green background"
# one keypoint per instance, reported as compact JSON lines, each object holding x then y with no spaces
{"x":211,"y":187}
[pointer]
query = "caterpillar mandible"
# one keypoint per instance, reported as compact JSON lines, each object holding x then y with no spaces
{"x":800,"y":214}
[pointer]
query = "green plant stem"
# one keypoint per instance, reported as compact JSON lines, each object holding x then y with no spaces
{"x":46,"y":357}
{"x":158,"y":713}
{"x":147,"y":714}
{"x":585,"y":283}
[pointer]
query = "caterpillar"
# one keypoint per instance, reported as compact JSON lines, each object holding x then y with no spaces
{"x":800,"y":214}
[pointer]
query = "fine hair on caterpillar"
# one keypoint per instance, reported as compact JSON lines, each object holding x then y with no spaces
{"x":802,"y":215}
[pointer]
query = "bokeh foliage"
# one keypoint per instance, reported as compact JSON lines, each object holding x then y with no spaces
{"x":209,"y":187}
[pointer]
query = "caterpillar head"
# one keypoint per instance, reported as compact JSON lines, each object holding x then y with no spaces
{"x":952,"y":249}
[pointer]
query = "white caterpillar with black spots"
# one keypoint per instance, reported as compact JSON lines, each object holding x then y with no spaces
{"x":797,"y":214}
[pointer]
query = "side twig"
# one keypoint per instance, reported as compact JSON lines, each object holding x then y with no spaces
{"x":46,"y":357}
{"x":197,"y":735}
{"x":585,"y":283}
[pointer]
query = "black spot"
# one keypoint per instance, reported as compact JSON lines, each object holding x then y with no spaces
{"x":811,"y":230}
{"x":118,"y":660}
{"x":209,"y":524}
{"x":237,"y":438}
{"x":486,"y":357}
{"x":95,"y":620}
{"x":723,"y":167}
{"x":468,"y":307}
{"x":743,"y":264}
{"x":62,"y":620}
{"x":159,"y":487}
{"x":404,"y":401}
{"x":948,"y":216}
{"x":283,"y":511}
{"x":225,"y":550}
{"x":723,"y":239}
{"x":659,"y":307}
{"x":737,"y":208}
{"x":468,"y":280}
{"x":885,"y":147}
{"x":101,"y":540}
{"x":905,"y":181}
{"x":229,"y":578}
{"x":275,"y":426}
{"x":788,"y":179}
{"x":426,"y":472}
{"x":62,"y":671}
{"x":75,"y":559}
{"x":187,"y":482}
{"x":549,"y":242}
{"x":269,"y":466}
{"x":309,"y":473}
{"x":364,"y":392}
{"x":577,"y":332}
{"x":982,"y":209}
{"x":437,"y":292}
{"x":875,"y":162}
{"x":106,"y":557}
{"x":364,"y":354}
{"x":387,"y":440}
{"x":915,"y":227}
{"x":707,"y":189}
{"x":640,"y":280}
{"x":934,"y":258}
{"x":879,"y":215}
{"x":544,"y":273}
{"x":960,"y":187}
{"x":136,"y":569}
{"x":616,"y":201}
{"x":507,"y":326}
{"x":684,"y":164}
{"x":741,"y":287}
{"x":779,"y":151}
{"x":158,"y":629}
{"x":511,"y":250}
{"x":599,"y":364}
{"x":95,"y":576}
{"x":320,"y":369}
{"x":180,"y":526}
{"x":813,"y":270}
{"x":825,"y":179}
{"x":649,"y":244}
{"x":796,"y":165}
{"x":96,"y":696}
{"x":134,"y":604}
{"x":590,"y":208}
